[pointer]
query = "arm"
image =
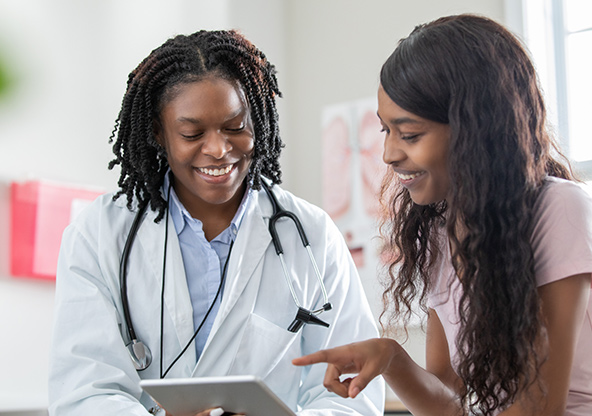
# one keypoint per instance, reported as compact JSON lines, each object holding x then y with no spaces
{"x":434,"y":391}
{"x":562,"y":245}
{"x":438,"y":382}
{"x":564,"y":304}
{"x":424,"y":392}
{"x":90,"y":371}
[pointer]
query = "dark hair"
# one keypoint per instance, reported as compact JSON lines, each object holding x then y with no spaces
{"x":471,"y":73}
{"x":185,"y":59}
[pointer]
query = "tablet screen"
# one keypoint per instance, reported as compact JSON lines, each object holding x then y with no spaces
{"x":236,"y":394}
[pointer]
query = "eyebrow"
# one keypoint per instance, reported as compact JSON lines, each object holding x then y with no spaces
{"x":402,"y":120}
{"x":189,"y":120}
{"x":194,"y":120}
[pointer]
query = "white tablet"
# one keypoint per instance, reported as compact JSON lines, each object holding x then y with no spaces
{"x":236,"y":394}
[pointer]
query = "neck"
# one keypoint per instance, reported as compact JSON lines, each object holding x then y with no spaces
{"x":218,"y":219}
{"x":214,"y":217}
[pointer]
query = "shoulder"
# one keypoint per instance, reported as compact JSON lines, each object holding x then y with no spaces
{"x":564,"y":202}
{"x":562,"y":191}
{"x":104,"y":206}
{"x":103,"y":216}
{"x":562,"y":231}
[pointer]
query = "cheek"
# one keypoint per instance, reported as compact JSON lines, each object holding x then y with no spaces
{"x":246,"y":146}
{"x":443,"y":177}
{"x":181,"y":153}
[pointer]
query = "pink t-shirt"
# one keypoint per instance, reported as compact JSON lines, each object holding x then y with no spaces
{"x":562,"y":244}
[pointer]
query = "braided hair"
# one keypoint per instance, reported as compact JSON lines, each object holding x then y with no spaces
{"x":184,"y":59}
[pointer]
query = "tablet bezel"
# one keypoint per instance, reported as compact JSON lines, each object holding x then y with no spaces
{"x":237,"y":394}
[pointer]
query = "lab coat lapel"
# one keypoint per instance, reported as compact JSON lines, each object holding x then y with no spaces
{"x":176,"y":293}
{"x":247,"y":254}
{"x":248,"y":251}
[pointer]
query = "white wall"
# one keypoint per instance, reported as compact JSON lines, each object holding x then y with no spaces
{"x":72,"y":59}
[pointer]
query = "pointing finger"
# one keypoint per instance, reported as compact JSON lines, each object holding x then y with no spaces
{"x":314,"y":358}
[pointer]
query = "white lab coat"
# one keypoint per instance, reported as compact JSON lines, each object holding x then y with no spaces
{"x":90,"y":370}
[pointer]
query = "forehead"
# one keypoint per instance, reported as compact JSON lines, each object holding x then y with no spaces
{"x":211,"y":94}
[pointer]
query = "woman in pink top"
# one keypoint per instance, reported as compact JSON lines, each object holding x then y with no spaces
{"x":487,"y":230}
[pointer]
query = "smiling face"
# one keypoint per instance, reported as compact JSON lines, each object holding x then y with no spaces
{"x":207,"y":132}
{"x":417,"y":150}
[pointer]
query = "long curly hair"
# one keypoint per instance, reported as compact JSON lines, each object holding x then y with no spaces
{"x":471,"y":73}
{"x":185,"y":59}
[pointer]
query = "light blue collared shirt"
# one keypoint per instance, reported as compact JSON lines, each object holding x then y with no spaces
{"x":203,"y":260}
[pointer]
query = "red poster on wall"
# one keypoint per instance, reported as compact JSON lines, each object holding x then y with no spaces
{"x":40,"y":211}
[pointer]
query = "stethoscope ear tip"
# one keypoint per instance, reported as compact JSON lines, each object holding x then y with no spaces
{"x":327,"y":306}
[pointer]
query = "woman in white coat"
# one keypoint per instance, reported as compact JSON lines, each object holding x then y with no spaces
{"x":206,"y":292}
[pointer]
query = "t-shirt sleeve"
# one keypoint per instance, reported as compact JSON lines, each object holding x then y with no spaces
{"x":562,"y":235}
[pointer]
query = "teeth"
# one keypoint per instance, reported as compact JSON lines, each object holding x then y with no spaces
{"x":216,"y":172}
{"x":408,"y":177}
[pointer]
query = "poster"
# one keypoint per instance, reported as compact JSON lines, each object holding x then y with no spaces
{"x":352,"y":173}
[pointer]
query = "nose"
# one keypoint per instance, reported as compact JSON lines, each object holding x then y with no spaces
{"x":393,"y":152}
{"x":216,"y":145}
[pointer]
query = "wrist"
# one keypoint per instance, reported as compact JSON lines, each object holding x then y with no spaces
{"x":393,"y":350}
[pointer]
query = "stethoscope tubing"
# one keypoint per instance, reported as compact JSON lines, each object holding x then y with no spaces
{"x":303,"y":316}
{"x":278,"y":213}
{"x":123,"y":269}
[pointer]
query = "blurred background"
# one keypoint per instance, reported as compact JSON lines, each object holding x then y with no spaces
{"x":64,"y":66}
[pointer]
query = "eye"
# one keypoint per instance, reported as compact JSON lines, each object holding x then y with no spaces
{"x":410,"y":138}
{"x":384,"y":130}
{"x":191,"y":136}
{"x":237,"y":129}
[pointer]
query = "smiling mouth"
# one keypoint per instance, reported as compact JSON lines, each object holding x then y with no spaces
{"x":216,"y":172}
{"x":408,"y":177}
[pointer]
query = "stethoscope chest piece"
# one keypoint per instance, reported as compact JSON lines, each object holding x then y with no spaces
{"x":140,"y":354}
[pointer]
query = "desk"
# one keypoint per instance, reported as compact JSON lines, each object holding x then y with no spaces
{"x":395,"y":407}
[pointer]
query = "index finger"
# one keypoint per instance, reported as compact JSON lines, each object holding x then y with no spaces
{"x":314,"y":358}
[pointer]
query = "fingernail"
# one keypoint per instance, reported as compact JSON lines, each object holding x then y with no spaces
{"x":355,"y":391}
{"x":217,"y":412}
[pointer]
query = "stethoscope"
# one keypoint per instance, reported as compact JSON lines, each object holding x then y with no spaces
{"x":139,"y":352}
{"x":303,"y":316}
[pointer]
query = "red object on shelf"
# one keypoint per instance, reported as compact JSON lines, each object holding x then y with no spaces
{"x":40,"y":211}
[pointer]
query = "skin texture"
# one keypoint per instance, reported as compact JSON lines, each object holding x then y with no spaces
{"x":207,"y":125}
{"x":416,"y":149}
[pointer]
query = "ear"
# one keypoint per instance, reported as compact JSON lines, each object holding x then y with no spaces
{"x":157,"y":131}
